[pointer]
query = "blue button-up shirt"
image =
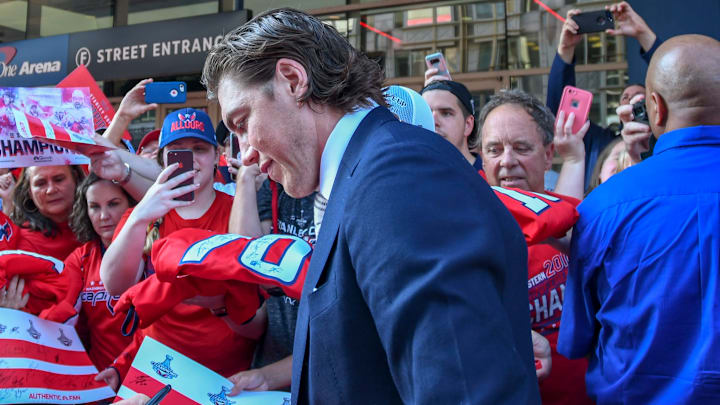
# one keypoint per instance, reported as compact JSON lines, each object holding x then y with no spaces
{"x":643,"y":292}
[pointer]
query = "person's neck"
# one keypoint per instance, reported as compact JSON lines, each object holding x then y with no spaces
{"x":326,"y":119}
{"x":61,"y":219}
{"x":466,"y":152}
{"x":204,"y":198}
{"x":692,"y":117}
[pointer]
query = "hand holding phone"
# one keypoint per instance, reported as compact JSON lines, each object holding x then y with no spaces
{"x":437,"y":61}
{"x":165,"y":92}
{"x":594,"y":21}
{"x":184,"y":159}
{"x":576,"y":101}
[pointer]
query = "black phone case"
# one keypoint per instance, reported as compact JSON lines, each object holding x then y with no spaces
{"x":186,"y":166}
{"x":594,"y":21}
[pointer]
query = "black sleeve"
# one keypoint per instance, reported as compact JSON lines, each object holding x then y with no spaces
{"x":264,"y":201}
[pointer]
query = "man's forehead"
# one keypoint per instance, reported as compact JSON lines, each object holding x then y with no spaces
{"x":633,"y":90}
{"x":511,"y":123}
{"x":440,"y":98}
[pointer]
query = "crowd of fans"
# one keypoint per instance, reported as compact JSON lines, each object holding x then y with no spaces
{"x":601,"y":296}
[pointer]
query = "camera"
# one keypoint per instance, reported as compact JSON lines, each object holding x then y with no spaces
{"x":640,"y":113}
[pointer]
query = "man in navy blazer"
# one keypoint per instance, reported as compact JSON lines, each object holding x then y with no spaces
{"x":416,"y":291}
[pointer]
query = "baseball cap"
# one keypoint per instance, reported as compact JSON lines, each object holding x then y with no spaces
{"x":458,"y":90}
{"x":409,"y":106}
{"x":187,"y":123}
{"x":149,"y":137}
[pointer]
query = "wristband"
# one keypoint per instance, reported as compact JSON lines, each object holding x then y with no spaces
{"x":126,"y":177}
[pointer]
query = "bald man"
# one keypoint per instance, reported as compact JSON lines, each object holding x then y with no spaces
{"x":642,"y":299}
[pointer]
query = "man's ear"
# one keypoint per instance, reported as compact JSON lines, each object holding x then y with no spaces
{"x":291,"y":76}
{"x":549,"y":154}
{"x":661,"y":110}
{"x":469,"y":122}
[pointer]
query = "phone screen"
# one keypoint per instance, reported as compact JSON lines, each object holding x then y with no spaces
{"x":184,"y":158}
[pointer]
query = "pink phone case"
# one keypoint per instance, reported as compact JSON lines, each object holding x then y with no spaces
{"x":576,"y":101}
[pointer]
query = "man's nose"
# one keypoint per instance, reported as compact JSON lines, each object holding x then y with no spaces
{"x":508,"y":158}
{"x":250,"y":156}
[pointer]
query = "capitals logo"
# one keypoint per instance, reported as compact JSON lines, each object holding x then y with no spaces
{"x":187,"y":122}
{"x":5,"y":231}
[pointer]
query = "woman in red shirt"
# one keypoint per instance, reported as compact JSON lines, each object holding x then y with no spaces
{"x":190,"y":328}
{"x":98,"y":207}
{"x":43,"y":200}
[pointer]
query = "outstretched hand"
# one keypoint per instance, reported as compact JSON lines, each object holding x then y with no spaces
{"x":569,"y":145}
{"x":542,"y":354}
{"x":431,"y":75}
{"x":630,"y":24}
{"x":133,"y":104}
{"x":569,"y":37}
{"x":110,"y":376}
{"x":160,"y":198}
{"x":635,"y":135}
{"x":11,"y":295}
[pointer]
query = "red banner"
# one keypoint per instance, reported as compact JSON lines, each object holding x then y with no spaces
{"x":103,"y":111}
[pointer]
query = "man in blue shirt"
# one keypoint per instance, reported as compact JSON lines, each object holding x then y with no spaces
{"x":642,"y":292}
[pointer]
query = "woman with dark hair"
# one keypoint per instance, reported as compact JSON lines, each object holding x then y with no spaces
{"x":43,"y":200}
{"x":99,"y":205}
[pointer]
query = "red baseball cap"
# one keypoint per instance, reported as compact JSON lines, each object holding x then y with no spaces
{"x":153,"y":135}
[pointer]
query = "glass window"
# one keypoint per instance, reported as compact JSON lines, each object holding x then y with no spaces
{"x":142,"y":11}
{"x":481,"y":35}
{"x":258,"y":6}
{"x":524,"y":52}
{"x":65,"y":16}
{"x":13,"y":19}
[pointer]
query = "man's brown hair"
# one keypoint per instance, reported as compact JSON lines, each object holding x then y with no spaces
{"x":338,"y":75}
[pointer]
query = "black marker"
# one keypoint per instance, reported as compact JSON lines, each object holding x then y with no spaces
{"x":160,"y":395}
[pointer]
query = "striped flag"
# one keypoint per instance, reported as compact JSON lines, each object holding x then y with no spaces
{"x":157,"y":365}
{"x":44,"y":362}
{"x":33,"y":127}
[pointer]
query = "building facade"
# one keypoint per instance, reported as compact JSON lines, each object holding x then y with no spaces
{"x":488,"y":44}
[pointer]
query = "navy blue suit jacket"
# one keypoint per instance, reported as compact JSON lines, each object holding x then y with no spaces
{"x":417,"y":288}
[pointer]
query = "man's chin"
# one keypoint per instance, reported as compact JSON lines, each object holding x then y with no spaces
{"x":514,"y":183}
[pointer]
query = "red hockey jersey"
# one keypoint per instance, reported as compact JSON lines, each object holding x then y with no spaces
{"x":41,"y":274}
{"x":540,"y":215}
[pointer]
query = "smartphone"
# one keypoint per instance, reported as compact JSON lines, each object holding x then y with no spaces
{"x":640,"y":113}
{"x":234,"y":146}
{"x":594,"y":21}
{"x":437,"y":61}
{"x":184,"y":158}
{"x":165,"y":92}
{"x":234,"y":150}
{"x":576,"y":101}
